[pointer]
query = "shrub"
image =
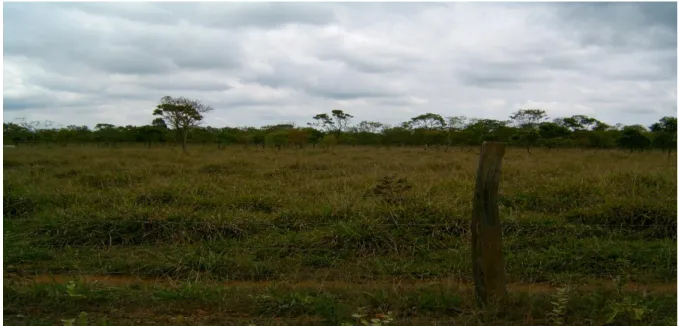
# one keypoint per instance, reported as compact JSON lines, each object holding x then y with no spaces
{"x":392,"y":189}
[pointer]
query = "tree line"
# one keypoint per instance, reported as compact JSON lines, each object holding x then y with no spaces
{"x":179,"y":121}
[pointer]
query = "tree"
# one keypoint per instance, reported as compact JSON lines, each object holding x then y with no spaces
{"x":600,"y":139}
{"x":66,"y":135}
{"x":665,"y":141}
{"x":277,"y":138}
{"x":182,"y":114}
{"x":396,"y":136}
{"x":15,"y":132}
{"x":665,"y":124}
{"x":369,"y":127}
{"x":601,"y":126}
{"x":159,"y":123}
{"x":454,"y":127}
{"x":203,"y":135}
{"x":21,"y":130}
{"x":456,"y":123}
{"x":479,"y":130}
{"x":527,"y":128}
{"x":337,"y":123}
{"x":435,"y":137}
{"x":528,"y":118}
{"x":528,"y":122}
{"x":150,"y":134}
{"x":298,"y":137}
{"x":664,"y":134}
{"x":526,"y":137}
{"x":368,"y":133}
{"x":552,"y":134}
{"x":227,"y":136}
{"x":285,"y":126}
{"x":427,"y":121}
{"x":47,"y":134}
{"x":328,"y":142}
{"x":549,"y":130}
{"x":314,"y":135}
{"x":81,"y":134}
{"x":633,"y":138}
{"x":580,"y":122}
{"x":107,"y":133}
{"x":347,"y":138}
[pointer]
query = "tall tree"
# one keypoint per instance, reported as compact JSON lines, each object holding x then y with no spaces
{"x":528,"y":122}
{"x":552,"y":134}
{"x":427,"y":121}
{"x":454,"y":126}
{"x":456,"y":123}
{"x":159,"y":123}
{"x":398,"y":135}
{"x":16,"y":132}
{"x":181,"y":114}
{"x":150,"y":134}
{"x":227,"y":136}
{"x":298,"y":137}
{"x":665,"y":124}
{"x":479,"y":130}
{"x":336,"y":123}
{"x":277,"y":138}
{"x":529,"y":118}
{"x":664,"y":134}
{"x":600,"y":126}
{"x":633,"y":138}
{"x":369,"y":127}
{"x":315,"y":135}
{"x":106,"y":133}
{"x":527,"y":137}
{"x":580,"y":122}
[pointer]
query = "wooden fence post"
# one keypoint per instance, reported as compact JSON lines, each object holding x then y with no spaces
{"x":486,"y":247}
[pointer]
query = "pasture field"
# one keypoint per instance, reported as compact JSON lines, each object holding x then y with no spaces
{"x":310,"y":237}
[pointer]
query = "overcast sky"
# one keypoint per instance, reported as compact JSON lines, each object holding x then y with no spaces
{"x":266,"y":63}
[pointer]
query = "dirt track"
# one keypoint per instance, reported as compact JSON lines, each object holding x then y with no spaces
{"x":124,"y":280}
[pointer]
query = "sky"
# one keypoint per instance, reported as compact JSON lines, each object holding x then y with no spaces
{"x":268,"y":63}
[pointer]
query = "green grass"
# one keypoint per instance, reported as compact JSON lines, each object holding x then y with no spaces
{"x":352,"y":216}
{"x":242,"y":304}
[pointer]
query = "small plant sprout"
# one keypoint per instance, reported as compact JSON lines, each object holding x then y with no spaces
{"x":82,"y":320}
{"x":71,"y":291}
{"x":559,"y":306}
{"x":377,"y":320}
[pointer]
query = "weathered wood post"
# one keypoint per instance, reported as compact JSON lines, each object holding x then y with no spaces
{"x":486,"y":247}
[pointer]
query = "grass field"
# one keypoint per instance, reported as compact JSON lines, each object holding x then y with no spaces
{"x":247,"y":236}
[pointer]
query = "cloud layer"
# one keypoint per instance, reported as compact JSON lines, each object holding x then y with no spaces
{"x":263,"y":63}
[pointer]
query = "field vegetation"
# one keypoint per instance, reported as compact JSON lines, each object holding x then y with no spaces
{"x":335,"y":223}
{"x":324,"y":236}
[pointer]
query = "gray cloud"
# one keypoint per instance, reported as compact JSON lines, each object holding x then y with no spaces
{"x":502,"y":74}
{"x":334,"y":82}
{"x":636,"y":110}
{"x":198,"y":85}
{"x":257,"y":63}
{"x":60,"y":37}
{"x":15,"y":104}
{"x":216,"y":15}
{"x":264,"y":15}
{"x":377,"y":64}
{"x":341,"y":90}
{"x":643,"y":33}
